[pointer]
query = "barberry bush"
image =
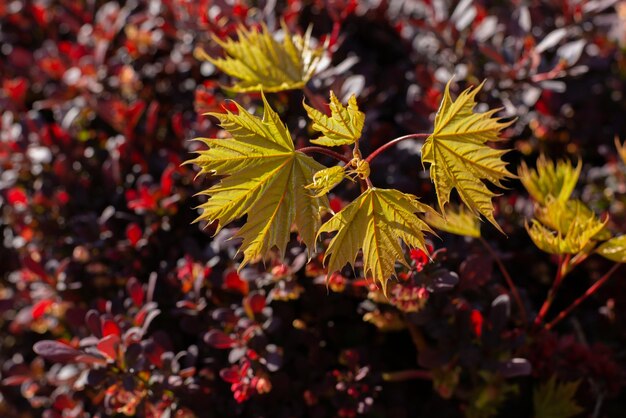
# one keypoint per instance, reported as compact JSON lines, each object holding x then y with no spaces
{"x":312,"y":209}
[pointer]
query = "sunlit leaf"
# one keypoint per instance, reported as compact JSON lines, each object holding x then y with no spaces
{"x":554,"y":399}
{"x":578,"y":237}
{"x":459,"y":157}
{"x":262,"y":63}
{"x":550,"y":179}
{"x":376,"y":222}
{"x":559,"y":216}
{"x":265,"y":180}
{"x":614,"y":249}
{"x":325,"y":180}
{"x":456,"y":220}
{"x":344,"y":125}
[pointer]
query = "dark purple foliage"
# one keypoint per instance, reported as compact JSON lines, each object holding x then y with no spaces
{"x":113,"y":303}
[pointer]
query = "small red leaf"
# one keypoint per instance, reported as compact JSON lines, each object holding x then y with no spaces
{"x":56,"y":351}
{"x":133,"y":233}
{"x":476,"y":318}
{"x":218,"y":339}
{"x":254,"y":304}
{"x":135,"y":290}
{"x":109,"y":346}
{"x":231,"y":375}
{"x":17,"y":197}
{"x":40,"y":308}
{"x":233,"y":281}
{"x":152,"y":115}
{"x":109,"y":327}
{"x":167,"y":181}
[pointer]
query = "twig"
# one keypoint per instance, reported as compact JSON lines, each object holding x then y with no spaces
{"x":392,"y":143}
{"x":560,"y":274}
{"x":592,"y":289}
{"x":405,"y":375}
{"x":325,"y":151}
{"x":507,"y":277}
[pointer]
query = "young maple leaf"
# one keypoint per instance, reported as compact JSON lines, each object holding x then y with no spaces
{"x":263,"y":64}
{"x":550,"y":179}
{"x":344,"y":125}
{"x":458,"y":156}
{"x":580,"y":233}
{"x":554,"y":399}
{"x":265,"y":180}
{"x":325,"y":180}
{"x":560,"y":216}
{"x":614,"y":249}
{"x":376,"y":222}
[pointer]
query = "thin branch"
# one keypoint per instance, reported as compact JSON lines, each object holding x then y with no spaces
{"x":325,"y":151}
{"x":560,"y":275}
{"x":507,"y":277}
{"x":416,"y":335}
{"x":405,"y":375}
{"x":592,"y":289}
{"x":392,"y":143}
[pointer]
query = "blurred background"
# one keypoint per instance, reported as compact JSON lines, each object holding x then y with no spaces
{"x":139,"y":312}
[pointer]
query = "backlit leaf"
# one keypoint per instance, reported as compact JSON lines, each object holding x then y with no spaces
{"x":550,"y":179}
{"x":456,"y":221}
{"x":265,"y":180}
{"x":554,"y":399}
{"x":325,"y":180}
{"x":262,"y":63}
{"x":614,"y":249}
{"x":559,"y":216}
{"x":344,"y":125}
{"x":376,"y":222}
{"x":458,"y":156}
{"x":578,"y":237}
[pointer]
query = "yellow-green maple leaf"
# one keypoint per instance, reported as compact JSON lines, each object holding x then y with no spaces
{"x":578,"y":237}
{"x":344,"y":125}
{"x":560,"y":215}
{"x":265,"y":180}
{"x":376,"y":222}
{"x":614,"y":249}
{"x":325,"y":180}
{"x":554,"y":399}
{"x":263,"y":64}
{"x":550,"y":179}
{"x":458,"y":221}
{"x":458,"y":156}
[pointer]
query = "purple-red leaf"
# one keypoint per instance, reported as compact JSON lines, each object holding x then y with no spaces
{"x":218,"y":339}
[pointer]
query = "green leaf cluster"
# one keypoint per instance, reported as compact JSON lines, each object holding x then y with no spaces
{"x":280,"y":189}
{"x":562,"y":224}
{"x":261,"y":63}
